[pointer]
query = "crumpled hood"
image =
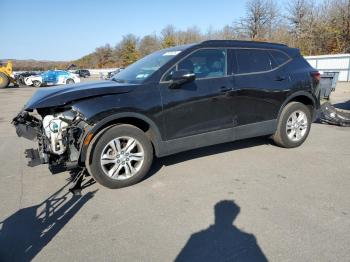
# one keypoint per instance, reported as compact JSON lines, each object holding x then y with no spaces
{"x":59,"y":96}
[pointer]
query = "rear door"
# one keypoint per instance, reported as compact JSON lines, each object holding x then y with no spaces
{"x":261,"y":85}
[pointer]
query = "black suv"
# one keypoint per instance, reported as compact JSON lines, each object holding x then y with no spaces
{"x":173,"y":100}
{"x":83,"y":73}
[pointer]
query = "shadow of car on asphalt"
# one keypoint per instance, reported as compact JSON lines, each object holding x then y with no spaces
{"x":25,"y":233}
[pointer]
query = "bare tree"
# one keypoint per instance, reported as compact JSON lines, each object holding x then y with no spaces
{"x":263,"y":20}
{"x":227,"y":33}
{"x":340,"y":19}
{"x":168,"y":36}
{"x":211,"y":33}
{"x":298,"y":12}
{"x":259,"y":19}
{"x":148,"y":44}
{"x":304,"y":21}
{"x":191,"y":35}
{"x":273,"y":17}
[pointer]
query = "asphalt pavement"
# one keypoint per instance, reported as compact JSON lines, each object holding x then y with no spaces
{"x":247,"y":199}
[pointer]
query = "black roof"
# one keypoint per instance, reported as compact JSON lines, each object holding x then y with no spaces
{"x":250,"y":44}
{"x":227,"y":43}
{"x":240,"y":43}
{"x":237,"y":43}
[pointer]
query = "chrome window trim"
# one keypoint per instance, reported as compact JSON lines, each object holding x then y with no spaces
{"x":233,"y":74}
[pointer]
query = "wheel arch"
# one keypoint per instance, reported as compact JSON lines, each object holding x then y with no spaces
{"x":302,"y":97}
{"x":68,"y":79}
{"x":135,"y":119}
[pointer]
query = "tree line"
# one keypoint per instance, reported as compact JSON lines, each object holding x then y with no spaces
{"x":35,"y":65}
{"x":314,"y":28}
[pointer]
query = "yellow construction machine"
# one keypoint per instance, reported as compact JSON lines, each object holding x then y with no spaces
{"x":6,"y":76}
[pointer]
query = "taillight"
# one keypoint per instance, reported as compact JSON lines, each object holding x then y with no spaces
{"x":316,"y":75}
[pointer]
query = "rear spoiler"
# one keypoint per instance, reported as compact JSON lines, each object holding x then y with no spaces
{"x":293,"y":52}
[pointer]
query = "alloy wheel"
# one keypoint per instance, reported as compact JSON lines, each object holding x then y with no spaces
{"x":297,"y":126}
{"x":122,"y":158}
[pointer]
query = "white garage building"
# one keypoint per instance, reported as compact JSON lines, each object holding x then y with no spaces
{"x":332,"y":63}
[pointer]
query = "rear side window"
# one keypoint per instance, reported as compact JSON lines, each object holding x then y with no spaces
{"x":252,"y":61}
{"x":279,"y":57}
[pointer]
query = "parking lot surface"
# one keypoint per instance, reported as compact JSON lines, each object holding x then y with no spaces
{"x":247,"y":199}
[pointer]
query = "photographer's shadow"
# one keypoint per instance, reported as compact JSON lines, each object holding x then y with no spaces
{"x":26,"y":232}
{"x":222,"y":241}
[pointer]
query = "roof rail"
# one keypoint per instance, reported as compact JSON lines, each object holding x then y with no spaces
{"x":241,"y":42}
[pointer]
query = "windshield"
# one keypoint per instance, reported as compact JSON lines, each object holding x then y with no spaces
{"x":145,"y":67}
{"x":45,"y":73}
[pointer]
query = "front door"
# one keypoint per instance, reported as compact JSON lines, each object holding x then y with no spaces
{"x":203,"y":105}
{"x":50,"y":77}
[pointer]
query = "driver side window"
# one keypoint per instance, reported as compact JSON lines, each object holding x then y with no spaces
{"x":205,"y":63}
{"x":170,"y":73}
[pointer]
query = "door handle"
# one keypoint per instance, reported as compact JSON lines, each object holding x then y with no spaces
{"x":280,"y":78}
{"x":224,"y":89}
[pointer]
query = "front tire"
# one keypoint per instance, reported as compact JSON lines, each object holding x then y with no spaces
{"x":121,"y":156}
{"x":293,"y":126}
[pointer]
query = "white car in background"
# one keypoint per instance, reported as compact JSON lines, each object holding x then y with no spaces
{"x":52,"y":77}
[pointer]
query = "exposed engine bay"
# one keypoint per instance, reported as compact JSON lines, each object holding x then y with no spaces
{"x":58,"y":133}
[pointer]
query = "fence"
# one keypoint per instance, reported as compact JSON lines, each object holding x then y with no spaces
{"x":104,"y":71}
{"x":332,"y":63}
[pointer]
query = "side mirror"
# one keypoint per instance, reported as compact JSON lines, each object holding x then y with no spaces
{"x":181,"y":77}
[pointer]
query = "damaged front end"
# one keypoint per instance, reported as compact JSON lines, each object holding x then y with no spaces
{"x":59,"y":133}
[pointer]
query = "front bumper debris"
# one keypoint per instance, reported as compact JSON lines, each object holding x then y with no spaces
{"x":334,"y":116}
{"x":27,"y":126}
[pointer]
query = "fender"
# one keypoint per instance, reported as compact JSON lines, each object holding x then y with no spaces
{"x":154,"y":134}
{"x":294,"y":95}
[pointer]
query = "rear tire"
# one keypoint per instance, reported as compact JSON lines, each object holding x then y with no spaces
{"x":114,"y":164}
{"x":293,"y":125}
{"x":70,"y":81}
{"x":4,"y":80}
{"x":36,"y":83}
